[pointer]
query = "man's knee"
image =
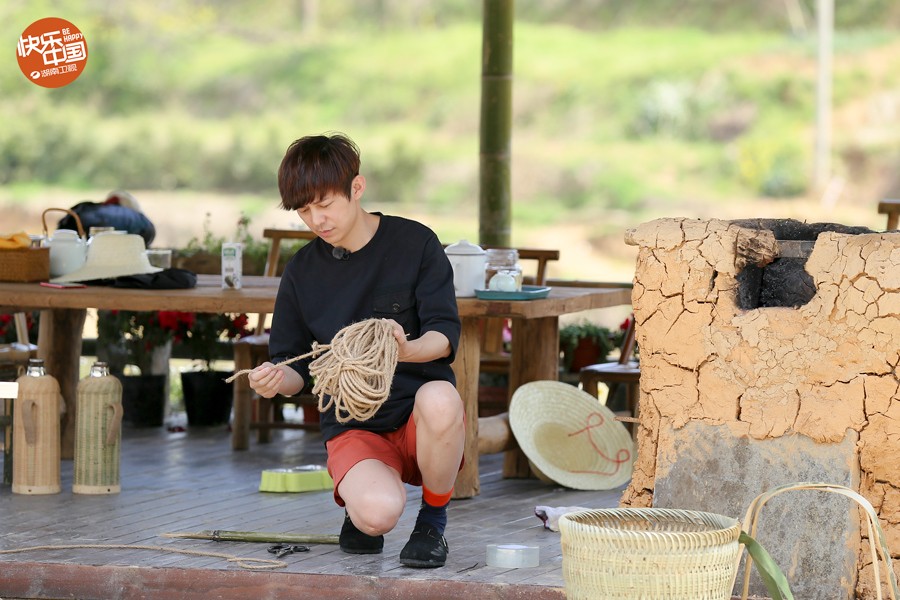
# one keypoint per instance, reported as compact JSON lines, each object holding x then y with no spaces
{"x":439,"y":404}
{"x":375,"y":513}
{"x":375,"y":521}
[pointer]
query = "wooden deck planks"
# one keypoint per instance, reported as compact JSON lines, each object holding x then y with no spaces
{"x":191,"y":481}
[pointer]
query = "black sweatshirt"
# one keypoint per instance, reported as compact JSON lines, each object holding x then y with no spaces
{"x":402,"y":274}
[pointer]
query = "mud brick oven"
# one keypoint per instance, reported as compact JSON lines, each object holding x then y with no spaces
{"x":769,"y":355}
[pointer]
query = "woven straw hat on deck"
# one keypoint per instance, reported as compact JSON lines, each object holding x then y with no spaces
{"x":570,"y":437}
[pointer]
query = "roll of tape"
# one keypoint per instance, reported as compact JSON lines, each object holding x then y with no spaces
{"x":513,"y":556}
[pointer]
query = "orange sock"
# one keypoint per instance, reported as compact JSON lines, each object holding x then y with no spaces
{"x":436,"y":500}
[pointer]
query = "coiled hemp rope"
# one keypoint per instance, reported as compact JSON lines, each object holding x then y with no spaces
{"x":357,"y":372}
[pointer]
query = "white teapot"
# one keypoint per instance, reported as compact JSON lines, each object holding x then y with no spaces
{"x":68,"y":252}
{"x":468,"y":262}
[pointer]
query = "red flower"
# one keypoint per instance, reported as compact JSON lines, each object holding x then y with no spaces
{"x":8,"y":332}
{"x":240,"y":322}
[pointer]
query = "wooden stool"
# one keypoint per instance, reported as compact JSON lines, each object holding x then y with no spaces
{"x":252,"y":350}
{"x":624,"y":371}
{"x":891,"y":208}
{"x":13,"y":360}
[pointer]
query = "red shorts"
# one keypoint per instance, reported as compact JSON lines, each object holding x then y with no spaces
{"x":396,"y":449}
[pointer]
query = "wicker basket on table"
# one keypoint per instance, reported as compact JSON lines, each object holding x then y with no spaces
{"x":23,"y":265}
{"x":631,"y":553}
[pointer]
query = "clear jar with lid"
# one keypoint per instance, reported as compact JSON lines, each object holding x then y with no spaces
{"x":502,"y":271}
{"x":35,"y":367}
{"x":99,"y":369}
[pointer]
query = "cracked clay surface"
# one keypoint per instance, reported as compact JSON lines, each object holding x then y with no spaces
{"x":818,"y":370}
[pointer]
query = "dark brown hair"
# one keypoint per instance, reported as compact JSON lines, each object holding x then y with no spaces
{"x":315,"y":166}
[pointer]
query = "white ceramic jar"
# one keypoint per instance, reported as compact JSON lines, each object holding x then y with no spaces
{"x":68,"y":252}
{"x":468,"y":262}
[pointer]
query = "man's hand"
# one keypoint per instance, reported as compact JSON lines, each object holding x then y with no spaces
{"x":268,"y":380}
{"x":403,"y":352}
{"x":431,"y":346}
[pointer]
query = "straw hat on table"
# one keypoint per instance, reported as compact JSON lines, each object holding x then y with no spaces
{"x":112,"y":255}
{"x":570,"y":437}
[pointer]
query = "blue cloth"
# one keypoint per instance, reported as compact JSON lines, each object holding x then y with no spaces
{"x":122,"y":218}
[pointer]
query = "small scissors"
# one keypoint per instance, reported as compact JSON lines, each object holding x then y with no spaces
{"x":280,"y":550}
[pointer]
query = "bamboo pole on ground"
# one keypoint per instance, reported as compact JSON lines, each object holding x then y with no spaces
{"x":257,"y":536}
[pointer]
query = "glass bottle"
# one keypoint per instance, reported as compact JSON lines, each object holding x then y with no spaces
{"x":503,"y":262}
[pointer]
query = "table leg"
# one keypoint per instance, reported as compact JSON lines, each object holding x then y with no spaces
{"x":535,"y":357}
{"x":466,"y":368}
{"x":59,"y":344}
{"x":243,"y":399}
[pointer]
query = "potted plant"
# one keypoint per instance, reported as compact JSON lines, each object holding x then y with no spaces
{"x":143,"y":339}
{"x":617,"y":337}
{"x":207,"y":396}
{"x":8,"y":333}
{"x":203,"y":254}
{"x":583,"y":343}
{"x":14,"y":353}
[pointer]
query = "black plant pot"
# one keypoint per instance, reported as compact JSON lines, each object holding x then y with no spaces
{"x":207,"y":397}
{"x":144,"y":400}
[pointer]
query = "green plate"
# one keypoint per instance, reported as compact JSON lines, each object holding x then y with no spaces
{"x":529,"y":292}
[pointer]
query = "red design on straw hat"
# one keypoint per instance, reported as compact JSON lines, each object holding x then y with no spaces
{"x":623,"y":456}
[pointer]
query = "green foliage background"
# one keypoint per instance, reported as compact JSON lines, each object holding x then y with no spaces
{"x":617,"y":105}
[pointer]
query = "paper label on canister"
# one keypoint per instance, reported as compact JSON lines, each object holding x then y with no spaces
{"x":232,"y":260}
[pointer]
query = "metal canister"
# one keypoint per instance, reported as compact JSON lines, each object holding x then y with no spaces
{"x":36,"y":437}
{"x":98,"y":432}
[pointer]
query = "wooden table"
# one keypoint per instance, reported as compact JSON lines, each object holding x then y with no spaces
{"x":63,"y":313}
{"x":535,"y":357}
{"x":535,"y":354}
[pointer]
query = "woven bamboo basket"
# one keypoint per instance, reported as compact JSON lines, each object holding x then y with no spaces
{"x":877,"y":540}
{"x":634,"y":553}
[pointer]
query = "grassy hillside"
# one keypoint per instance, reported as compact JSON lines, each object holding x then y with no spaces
{"x":612,"y":125}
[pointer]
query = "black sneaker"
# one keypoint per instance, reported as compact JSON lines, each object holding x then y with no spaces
{"x":426,"y":548}
{"x":354,"y":541}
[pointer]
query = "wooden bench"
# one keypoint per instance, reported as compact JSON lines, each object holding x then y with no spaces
{"x":891,"y":208}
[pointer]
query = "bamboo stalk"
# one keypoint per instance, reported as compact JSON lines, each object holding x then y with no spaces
{"x":495,"y":212}
{"x":257,"y":536}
